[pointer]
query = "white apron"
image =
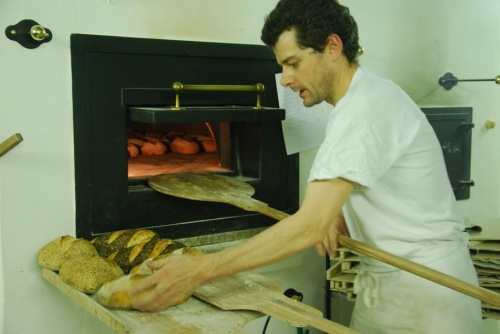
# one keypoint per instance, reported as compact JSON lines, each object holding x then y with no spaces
{"x":400,"y":302}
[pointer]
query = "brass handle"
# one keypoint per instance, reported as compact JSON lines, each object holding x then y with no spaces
{"x":178,"y":87}
{"x":38,"y":33}
{"x":9,"y":143}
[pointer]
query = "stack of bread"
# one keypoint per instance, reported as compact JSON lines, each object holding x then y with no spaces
{"x":114,"y":260}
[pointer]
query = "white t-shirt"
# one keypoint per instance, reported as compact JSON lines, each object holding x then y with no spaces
{"x":403,"y":202}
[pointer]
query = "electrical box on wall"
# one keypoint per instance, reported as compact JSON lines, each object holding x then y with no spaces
{"x":453,"y":127}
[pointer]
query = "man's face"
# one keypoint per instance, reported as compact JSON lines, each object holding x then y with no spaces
{"x":304,"y":70}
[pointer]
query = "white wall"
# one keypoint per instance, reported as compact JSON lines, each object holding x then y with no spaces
{"x":411,"y":42}
{"x":2,"y":290}
{"x":416,"y":42}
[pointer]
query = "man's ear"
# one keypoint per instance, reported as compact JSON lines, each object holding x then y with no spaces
{"x":334,"y":45}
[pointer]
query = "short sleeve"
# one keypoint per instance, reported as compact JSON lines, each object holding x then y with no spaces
{"x":358,"y":152}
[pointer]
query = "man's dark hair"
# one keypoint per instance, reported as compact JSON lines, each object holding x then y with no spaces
{"x":313,"y":21}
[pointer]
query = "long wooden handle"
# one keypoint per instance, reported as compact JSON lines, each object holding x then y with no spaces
{"x":329,"y":326}
{"x":404,"y":264}
{"x":422,"y":271}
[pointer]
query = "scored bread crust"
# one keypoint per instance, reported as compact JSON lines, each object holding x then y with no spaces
{"x":132,"y":256}
{"x":117,"y":246}
{"x":129,"y":248}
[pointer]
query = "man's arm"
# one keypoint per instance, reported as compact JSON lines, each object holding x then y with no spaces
{"x":178,"y":276}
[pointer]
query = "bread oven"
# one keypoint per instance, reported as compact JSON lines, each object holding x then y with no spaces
{"x":219,"y":97}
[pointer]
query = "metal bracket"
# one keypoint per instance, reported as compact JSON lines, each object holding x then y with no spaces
{"x":28,"y":33}
{"x":467,"y":125}
{"x":468,"y":183}
{"x":448,"y":80}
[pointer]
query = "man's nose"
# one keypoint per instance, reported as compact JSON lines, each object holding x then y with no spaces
{"x":286,"y":79}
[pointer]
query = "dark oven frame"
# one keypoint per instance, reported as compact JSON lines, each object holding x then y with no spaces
{"x":453,"y":128}
{"x":109,"y":74}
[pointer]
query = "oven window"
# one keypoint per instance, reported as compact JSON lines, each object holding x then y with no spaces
{"x":155,"y":149}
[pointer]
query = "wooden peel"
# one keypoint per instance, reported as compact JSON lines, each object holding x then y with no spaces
{"x":219,"y":188}
{"x":242,"y":292}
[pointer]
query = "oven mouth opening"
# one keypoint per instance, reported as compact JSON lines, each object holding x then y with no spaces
{"x":155,"y":149}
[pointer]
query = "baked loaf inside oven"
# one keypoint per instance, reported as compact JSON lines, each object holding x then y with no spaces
{"x":88,"y":274}
{"x":153,"y":148}
{"x":184,"y":146}
{"x":59,"y":250}
{"x":114,"y":294}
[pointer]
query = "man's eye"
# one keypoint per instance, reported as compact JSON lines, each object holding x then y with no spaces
{"x":293,"y":65}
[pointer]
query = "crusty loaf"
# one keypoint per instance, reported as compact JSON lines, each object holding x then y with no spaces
{"x":184,"y":146}
{"x":130,"y":257}
{"x":165,"y":246}
{"x":109,"y":243}
{"x":114,"y":294}
{"x":178,"y":251}
{"x":129,"y":248}
{"x":59,"y":250}
{"x":88,"y":274}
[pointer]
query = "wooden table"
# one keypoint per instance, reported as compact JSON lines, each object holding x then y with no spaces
{"x":192,"y":317}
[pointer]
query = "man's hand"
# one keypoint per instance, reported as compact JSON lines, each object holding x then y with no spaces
{"x":330,"y":243}
{"x":173,"y":282}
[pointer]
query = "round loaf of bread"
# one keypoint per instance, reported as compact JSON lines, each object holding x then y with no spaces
{"x":153,"y":148}
{"x":184,"y":146}
{"x":59,"y":250}
{"x":88,"y":274}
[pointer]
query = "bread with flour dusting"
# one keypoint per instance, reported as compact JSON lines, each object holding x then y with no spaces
{"x":114,"y":294}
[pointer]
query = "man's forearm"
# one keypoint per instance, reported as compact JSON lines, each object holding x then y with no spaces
{"x":288,"y":237}
{"x":270,"y":246}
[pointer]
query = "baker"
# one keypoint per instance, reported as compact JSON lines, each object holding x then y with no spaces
{"x":379,"y":176}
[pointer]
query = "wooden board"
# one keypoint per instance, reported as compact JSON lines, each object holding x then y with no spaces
{"x":192,"y":317}
{"x":243,"y":292}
